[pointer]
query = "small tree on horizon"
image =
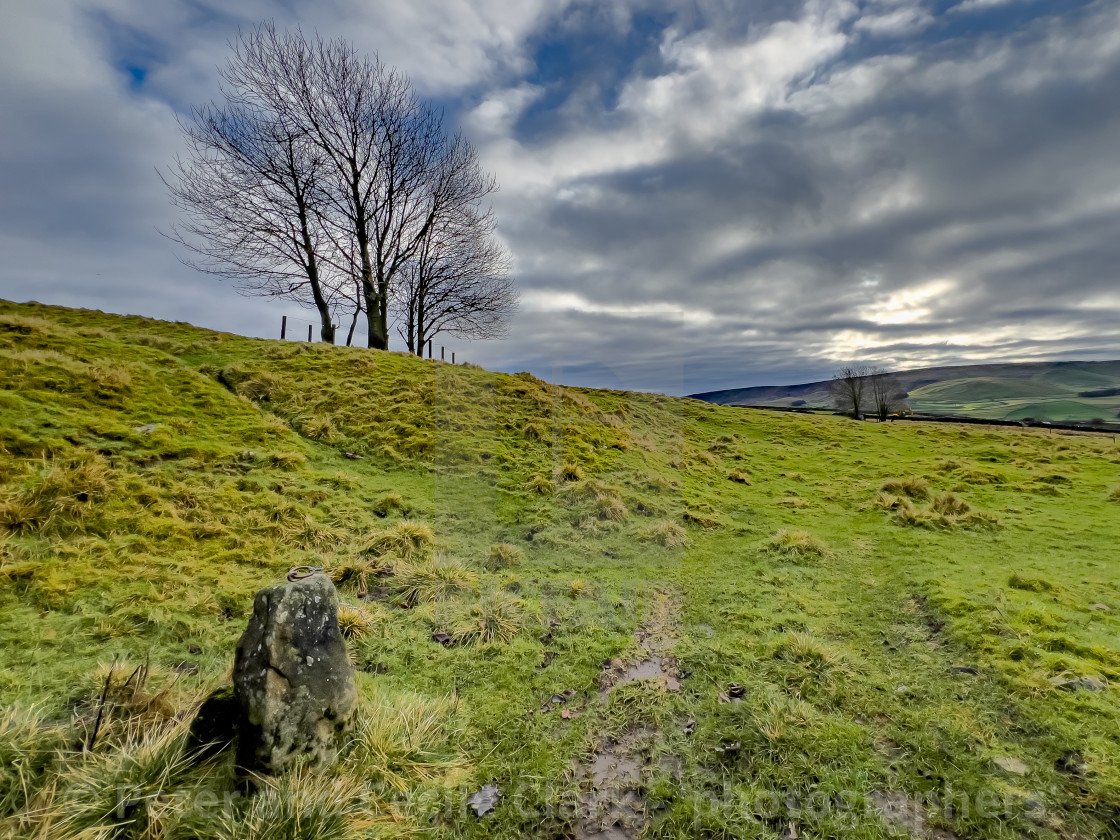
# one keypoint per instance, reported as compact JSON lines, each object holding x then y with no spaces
{"x":849,"y":390}
{"x":885,"y":394}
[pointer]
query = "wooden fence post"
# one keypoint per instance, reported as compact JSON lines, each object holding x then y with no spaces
{"x":452,"y":357}
{"x":283,"y":327}
{"x":429,"y":348}
{"x":309,"y":327}
{"x":442,"y":353}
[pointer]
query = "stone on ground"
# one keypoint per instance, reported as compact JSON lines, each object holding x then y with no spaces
{"x":294,"y":684}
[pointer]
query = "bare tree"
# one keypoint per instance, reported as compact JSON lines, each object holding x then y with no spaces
{"x":394,"y":169}
{"x":885,"y":394}
{"x":849,"y":390}
{"x":372,"y":172}
{"x":249,"y":189}
{"x":457,"y":281}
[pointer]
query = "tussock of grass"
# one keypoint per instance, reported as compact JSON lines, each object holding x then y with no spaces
{"x":1114,"y":495}
{"x":946,"y":510}
{"x":259,"y":386}
{"x":504,"y":556}
{"x":796,"y":543}
{"x":137,"y":694}
{"x":571,"y":471}
{"x":539,"y":485}
{"x":30,"y":745}
{"x":739,"y":477}
{"x":389,"y":503}
{"x":407,"y":540}
{"x":288,"y":461}
{"x":979,"y":477}
{"x":611,"y":509}
{"x":494,"y":618}
{"x":403,"y":739}
{"x":666,"y":533}
{"x":913,"y":488}
{"x":1029,"y":584}
{"x":28,"y":325}
{"x":434,"y":579}
{"x":117,"y":792}
{"x":792,"y":502}
{"x":157,"y":341}
{"x":358,"y":571}
{"x":534,"y":431}
{"x":318,"y":428}
{"x":353,"y":622}
{"x":110,"y":379}
{"x":303,"y":803}
{"x":66,"y":494}
{"x":700,"y":519}
{"x":949,"y":504}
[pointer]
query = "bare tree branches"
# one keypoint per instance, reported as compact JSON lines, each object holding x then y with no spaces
{"x":325,"y":179}
{"x":249,"y":190}
{"x":885,"y":393}
{"x":457,"y":279}
{"x":858,"y":390}
{"x":849,"y":390}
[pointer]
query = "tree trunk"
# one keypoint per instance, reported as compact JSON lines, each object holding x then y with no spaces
{"x":326,"y":330}
{"x":410,"y":328}
{"x":353,"y":324}
{"x":378,"y":313}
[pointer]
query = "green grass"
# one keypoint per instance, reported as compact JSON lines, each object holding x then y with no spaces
{"x":915,"y":615}
{"x":1040,"y":391}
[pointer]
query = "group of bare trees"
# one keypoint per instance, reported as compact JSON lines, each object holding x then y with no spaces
{"x":323,"y":178}
{"x":859,"y":391}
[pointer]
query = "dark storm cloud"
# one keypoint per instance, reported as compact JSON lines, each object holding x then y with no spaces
{"x":695,"y":197}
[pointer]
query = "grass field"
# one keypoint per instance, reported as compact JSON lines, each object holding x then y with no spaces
{"x":1052,"y":391}
{"x":734,"y":624}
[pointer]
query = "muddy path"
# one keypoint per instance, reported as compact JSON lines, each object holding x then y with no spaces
{"x":611,"y":782}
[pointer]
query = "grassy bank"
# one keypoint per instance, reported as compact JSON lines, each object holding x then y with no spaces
{"x":923,"y":620}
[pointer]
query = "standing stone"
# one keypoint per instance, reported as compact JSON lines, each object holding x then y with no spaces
{"x":293,"y":682}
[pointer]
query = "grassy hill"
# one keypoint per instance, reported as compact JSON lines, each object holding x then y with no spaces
{"x":726,"y":623}
{"x":1054,"y":391}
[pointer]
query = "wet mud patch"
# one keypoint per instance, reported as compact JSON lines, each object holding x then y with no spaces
{"x":611,"y":804}
{"x":612,"y":782}
{"x":902,"y":813}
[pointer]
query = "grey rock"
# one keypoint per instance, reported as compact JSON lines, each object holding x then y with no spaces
{"x":1079,"y":683}
{"x":1100,"y":607}
{"x":293,"y":681}
{"x":484,"y":800}
{"x":1011,"y":765}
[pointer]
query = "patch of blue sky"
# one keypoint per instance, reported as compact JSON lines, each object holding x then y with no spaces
{"x":593,"y":62}
{"x":959,"y":18}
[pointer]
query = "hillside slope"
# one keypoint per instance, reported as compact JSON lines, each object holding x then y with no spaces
{"x":765,"y":624}
{"x":1054,"y":391}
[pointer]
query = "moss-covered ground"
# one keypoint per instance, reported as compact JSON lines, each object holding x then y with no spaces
{"x":873,"y":629}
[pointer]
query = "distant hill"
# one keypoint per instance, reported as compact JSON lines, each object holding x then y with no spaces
{"x":1055,"y":391}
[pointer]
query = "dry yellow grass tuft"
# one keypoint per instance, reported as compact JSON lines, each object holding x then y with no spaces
{"x":407,"y":540}
{"x":795,"y":543}
{"x":504,"y":556}
{"x":913,"y":488}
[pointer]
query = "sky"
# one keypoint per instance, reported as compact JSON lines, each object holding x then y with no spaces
{"x":697,"y":194}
